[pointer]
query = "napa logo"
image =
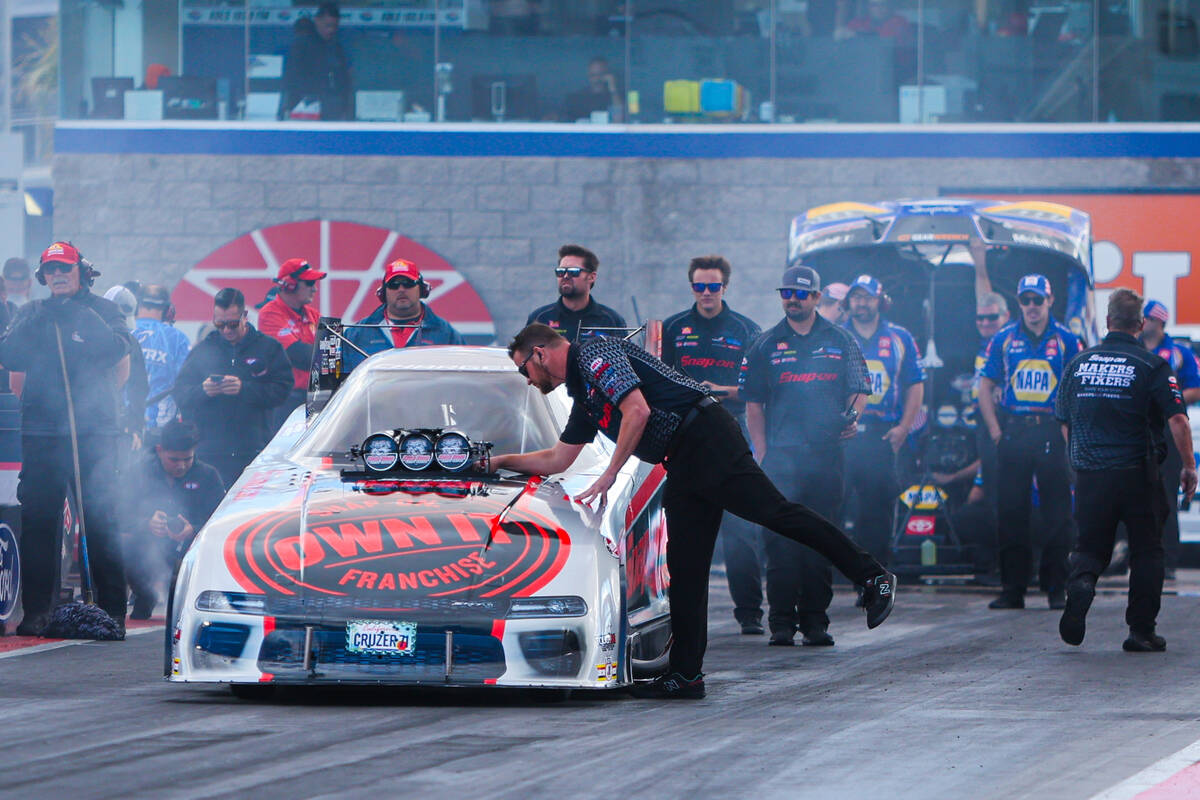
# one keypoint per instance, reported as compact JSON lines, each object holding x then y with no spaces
{"x":923,"y":498}
{"x":1033,"y":381}
{"x":880,"y":381}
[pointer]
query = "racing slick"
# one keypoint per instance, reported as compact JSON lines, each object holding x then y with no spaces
{"x":707,"y":343}
{"x":402,"y":319}
{"x":804,"y":382}
{"x":1187,"y":372}
{"x":288,"y":318}
{"x":576,"y":311}
{"x":1025,"y":359}
{"x":653,"y":412}
{"x":165,"y":347}
{"x":1114,"y":400}
{"x":230,"y":384}
{"x":897,"y":389}
{"x":95,"y":346}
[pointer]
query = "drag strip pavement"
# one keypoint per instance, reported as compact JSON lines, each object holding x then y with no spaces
{"x":946,"y":699}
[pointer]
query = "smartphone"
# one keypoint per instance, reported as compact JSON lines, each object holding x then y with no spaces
{"x":216,"y":378}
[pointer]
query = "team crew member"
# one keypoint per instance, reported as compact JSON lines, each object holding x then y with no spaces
{"x":804,"y":382}
{"x":1025,"y":360}
{"x":1114,"y":401}
{"x":897,"y":390}
{"x":831,"y":306}
{"x":95,"y":345}
{"x":1187,"y":372}
{"x":402,"y":319}
{"x":653,"y":412}
{"x":288,"y":317}
{"x":169,"y":497}
{"x":165,"y":347}
{"x":707,"y":343}
{"x":576,"y":310}
{"x":229,"y":386}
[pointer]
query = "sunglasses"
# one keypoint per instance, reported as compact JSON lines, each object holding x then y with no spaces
{"x":521,"y":367}
{"x":227,"y":326}
{"x":568,"y":272}
{"x":57,"y":266}
{"x":1031,"y":300}
{"x":400,"y":282}
{"x":711,"y":288}
{"x":309,"y":284}
{"x":799,"y":294}
{"x":987,"y":317}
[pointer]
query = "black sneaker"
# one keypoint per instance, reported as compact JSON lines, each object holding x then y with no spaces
{"x":671,"y":687}
{"x":1139,"y":642}
{"x":817,"y":638}
{"x":143,"y":607}
{"x":879,"y":595}
{"x":782,"y":639}
{"x":1057,"y":598}
{"x":1073,"y":624}
{"x":1006,"y":601}
{"x":752,"y":629}
{"x":33,"y":624}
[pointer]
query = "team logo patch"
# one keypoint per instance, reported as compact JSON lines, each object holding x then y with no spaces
{"x":880,"y":381}
{"x":1033,"y":381}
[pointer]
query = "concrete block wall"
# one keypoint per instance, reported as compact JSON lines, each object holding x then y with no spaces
{"x":501,"y":220}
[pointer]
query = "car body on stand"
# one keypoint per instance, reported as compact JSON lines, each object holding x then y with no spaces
{"x":364,"y":546}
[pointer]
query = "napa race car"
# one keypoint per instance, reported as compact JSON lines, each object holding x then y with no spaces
{"x":372,"y":543}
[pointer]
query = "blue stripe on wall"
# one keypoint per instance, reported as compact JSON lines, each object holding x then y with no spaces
{"x":644,"y":142}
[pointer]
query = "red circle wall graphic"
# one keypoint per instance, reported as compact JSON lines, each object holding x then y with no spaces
{"x":354,"y":255}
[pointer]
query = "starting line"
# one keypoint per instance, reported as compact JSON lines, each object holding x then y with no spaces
{"x":1176,"y":777}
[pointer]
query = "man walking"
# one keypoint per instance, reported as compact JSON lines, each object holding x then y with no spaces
{"x":1114,"y":401}
{"x":229,"y":385}
{"x":707,"y":342}
{"x":651,"y":411}
{"x":1025,"y":360}
{"x":576,"y":311}
{"x":805,"y":382}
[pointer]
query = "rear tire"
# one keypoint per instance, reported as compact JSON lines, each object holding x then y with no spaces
{"x":253,"y":691}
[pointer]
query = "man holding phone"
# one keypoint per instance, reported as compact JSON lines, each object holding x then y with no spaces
{"x":230,"y":384}
{"x":170,"y":495}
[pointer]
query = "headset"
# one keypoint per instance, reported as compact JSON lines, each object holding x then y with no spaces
{"x":381,"y":292}
{"x":87,"y":272}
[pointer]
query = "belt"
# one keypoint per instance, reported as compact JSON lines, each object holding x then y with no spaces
{"x":1029,"y":420}
{"x":688,"y":418}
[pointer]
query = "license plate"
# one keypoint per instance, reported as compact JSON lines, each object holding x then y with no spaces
{"x":381,"y":638}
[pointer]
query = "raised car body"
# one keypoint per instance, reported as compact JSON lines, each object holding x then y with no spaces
{"x":306,"y":575}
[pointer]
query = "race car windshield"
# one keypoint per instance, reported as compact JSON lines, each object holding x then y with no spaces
{"x":492,"y":406}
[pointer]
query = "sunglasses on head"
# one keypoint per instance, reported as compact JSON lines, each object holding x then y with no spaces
{"x":1031,"y":300}
{"x":711,"y":288}
{"x":400,"y":282}
{"x":568,"y":272}
{"x":57,"y":266}
{"x":987,"y":317}
{"x":227,"y":326}
{"x":521,"y":368}
{"x":799,"y":294}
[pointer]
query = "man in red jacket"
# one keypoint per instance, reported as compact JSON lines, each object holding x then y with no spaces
{"x":288,"y":318}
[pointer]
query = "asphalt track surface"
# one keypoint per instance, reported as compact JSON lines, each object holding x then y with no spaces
{"x":946,"y":699}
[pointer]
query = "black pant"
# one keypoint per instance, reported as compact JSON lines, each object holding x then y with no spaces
{"x":799,"y":581}
{"x":46,"y":472}
{"x":742,"y":546}
{"x":148,"y":559}
{"x":1104,"y":498}
{"x":871,"y":475}
{"x":1025,"y":451}
{"x":710,"y":471}
{"x":1170,"y":470}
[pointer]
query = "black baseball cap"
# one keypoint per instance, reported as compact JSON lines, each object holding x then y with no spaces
{"x":801,"y":277}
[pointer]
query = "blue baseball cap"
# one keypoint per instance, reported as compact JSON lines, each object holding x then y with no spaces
{"x":867,"y":284}
{"x":801,"y":277}
{"x":1158,"y":311}
{"x":1038,"y":284}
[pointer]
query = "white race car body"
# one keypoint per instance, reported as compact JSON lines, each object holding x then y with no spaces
{"x":308,"y":575}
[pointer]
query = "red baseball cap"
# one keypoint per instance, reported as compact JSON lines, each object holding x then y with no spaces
{"x":401,"y":267}
{"x":61,"y":251}
{"x":298,"y":269}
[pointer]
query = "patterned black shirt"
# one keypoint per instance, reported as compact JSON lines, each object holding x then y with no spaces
{"x":805,"y":382}
{"x":709,"y":349}
{"x":601,"y":371}
{"x":1115,"y":398}
{"x":569,"y":323}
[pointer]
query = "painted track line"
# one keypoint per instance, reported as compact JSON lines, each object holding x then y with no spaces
{"x":57,"y":645}
{"x":1176,"y":776}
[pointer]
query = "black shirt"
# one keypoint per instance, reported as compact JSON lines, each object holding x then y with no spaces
{"x":94,"y":339}
{"x":194,"y":496}
{"x":601,"y":371}
{"x":804,"y":381}
{"x":1115,"y":398}
{"x":709,"y":349}
{"x":568,"y":322}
